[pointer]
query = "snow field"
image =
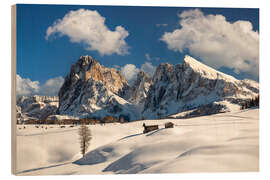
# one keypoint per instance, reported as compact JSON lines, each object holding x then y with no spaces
{"x":227,"y":142}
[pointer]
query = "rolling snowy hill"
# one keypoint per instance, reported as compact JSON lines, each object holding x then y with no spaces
{"x":227,"y":142}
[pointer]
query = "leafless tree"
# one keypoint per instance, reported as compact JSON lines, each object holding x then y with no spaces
{"x":85,"y":137}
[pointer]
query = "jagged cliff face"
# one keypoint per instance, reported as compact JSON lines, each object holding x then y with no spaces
{"x":36,"y":107}
{"x":192,"y":84}
{"x":91,"y":90}
{"x":140,"y":88}
{"x":87,"y":68}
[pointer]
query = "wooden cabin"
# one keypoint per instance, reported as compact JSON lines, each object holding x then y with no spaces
{"x":169,"y":125}
{"x":149,"y":128}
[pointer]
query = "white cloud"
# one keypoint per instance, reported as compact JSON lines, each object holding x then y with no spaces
{"x":216,"y":41}
{"x":51,"y":86}
{"x":130,"y":71}
{"x":88,"y":27}
{"x":26,"y":87}
{"x":148,"y":68}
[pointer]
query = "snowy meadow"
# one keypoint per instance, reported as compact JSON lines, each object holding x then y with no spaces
{"x":226,"y":142}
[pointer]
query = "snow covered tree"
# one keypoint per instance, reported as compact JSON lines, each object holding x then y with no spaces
{"x":85,"y":137}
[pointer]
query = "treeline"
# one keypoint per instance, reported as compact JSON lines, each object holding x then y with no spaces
{"x":106,"y":119}
{"x":254,"y":102}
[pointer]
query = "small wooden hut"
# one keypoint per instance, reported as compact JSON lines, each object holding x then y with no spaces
{"x":149,"y":128}
{"x":169,"y":125}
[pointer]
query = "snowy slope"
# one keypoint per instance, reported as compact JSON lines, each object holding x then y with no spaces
{"x":206,"y":71}
{"x":219,"y":143}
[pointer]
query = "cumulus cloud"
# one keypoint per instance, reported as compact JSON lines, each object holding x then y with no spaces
{"x":130,"y":71}
{"x":88,"y":27}
{"x":51,"y":86}
{"x":148,"y":68}
{"x":216,"y":41}
{"x":26,"y":87}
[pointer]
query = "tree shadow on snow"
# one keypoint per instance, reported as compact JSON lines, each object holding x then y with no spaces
{"x":125,"y":165}
{"x":93,"y":157}
{"x":99,"y":155}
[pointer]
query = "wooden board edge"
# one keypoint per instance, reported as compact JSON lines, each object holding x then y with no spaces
{"x":13,"y":89}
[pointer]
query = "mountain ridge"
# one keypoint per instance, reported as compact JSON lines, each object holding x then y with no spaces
{"x":190,"y":85}
{"x":92,"y":90}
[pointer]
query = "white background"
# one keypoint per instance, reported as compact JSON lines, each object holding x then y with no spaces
{"x":5,"y":86}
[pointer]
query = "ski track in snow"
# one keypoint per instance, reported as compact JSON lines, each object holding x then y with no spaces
{"x":227,"y":142}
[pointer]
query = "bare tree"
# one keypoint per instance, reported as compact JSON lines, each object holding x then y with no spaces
{"x":85,"y":137}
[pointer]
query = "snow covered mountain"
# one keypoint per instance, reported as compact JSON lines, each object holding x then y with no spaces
{"x":184,"y":90}
{"x":196,"y":88}
{"x":36,"y":107}
{"x":140,"y":88}
{"x":91,"y":90}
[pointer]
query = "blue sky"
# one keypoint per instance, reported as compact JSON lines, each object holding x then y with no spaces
{"x":40,"y":59}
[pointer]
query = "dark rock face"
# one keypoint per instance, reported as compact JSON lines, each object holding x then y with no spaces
{"x":139,"y":90}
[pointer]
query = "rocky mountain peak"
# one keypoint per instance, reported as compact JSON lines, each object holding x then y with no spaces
{"x":93,"y":90}
{"x":191,"y":64}
{"x":88,"y":68}
{"x":142,"y":76}
{"x":191,"y":85}
{"x":163,"y":72}
{"x":140,"y":88}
